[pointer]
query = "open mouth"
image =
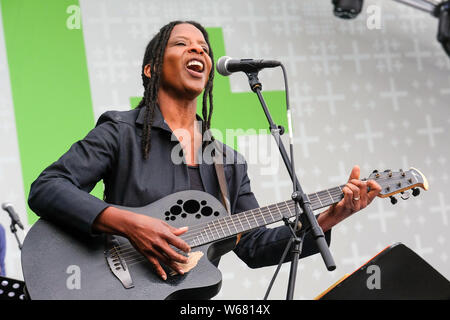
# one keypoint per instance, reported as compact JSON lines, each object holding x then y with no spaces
{"x":195,"y":65}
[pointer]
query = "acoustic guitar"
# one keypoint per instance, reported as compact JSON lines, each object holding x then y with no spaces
{"x":61,"y":264}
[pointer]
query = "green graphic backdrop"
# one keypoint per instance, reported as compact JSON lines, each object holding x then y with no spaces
{"x":51,"y":93}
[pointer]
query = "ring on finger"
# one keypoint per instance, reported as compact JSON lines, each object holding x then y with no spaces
{"x":356,"y":199}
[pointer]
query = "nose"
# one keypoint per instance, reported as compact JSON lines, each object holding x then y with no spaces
{"x":196,"y":48}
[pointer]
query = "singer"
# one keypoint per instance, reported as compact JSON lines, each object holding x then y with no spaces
{"x":132,"y":153}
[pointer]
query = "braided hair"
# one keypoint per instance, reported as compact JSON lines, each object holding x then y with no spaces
{"x":154,"y":56}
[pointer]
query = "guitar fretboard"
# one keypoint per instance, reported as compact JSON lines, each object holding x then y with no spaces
{"x":232,"y":225}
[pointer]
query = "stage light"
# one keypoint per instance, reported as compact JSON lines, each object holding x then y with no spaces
{"x":347,"y":9}
{"x":442,"y":12}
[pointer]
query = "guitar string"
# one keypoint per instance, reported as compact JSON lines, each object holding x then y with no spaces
{"x":260,"y":221}
{"x":135,"y":259}
{"x":195,"y":231}
{"x":198,"y":229}
{"x":219,"y":222}
{"x":268,"y":209}
{"x":194,"y":234}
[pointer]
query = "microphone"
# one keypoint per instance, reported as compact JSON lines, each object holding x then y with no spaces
{"x":12,"y":214}
{"x":227,"y":65}
{"x":347,"y":9}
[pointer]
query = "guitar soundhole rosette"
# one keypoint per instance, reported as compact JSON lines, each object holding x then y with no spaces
{"x":190,"y":207}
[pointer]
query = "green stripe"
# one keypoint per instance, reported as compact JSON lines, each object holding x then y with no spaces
{"x":49,"y":81}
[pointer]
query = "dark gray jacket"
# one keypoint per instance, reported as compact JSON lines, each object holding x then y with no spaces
{"x":112,"y":152}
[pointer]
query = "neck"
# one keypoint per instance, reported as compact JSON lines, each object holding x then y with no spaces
{"x":177,"y":112}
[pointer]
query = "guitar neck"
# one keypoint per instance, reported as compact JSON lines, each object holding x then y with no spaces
{"x":232,"y":225}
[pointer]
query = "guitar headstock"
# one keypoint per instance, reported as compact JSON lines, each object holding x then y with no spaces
{"x":393,"y":182}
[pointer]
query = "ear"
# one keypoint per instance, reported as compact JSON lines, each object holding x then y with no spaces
{"x":147,"y":70}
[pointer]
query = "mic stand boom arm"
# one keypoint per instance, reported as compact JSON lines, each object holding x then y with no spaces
{"x":307,"y":218}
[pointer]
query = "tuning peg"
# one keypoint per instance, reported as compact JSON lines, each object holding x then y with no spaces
{"x":393,"y":200}
{"x":415,"y":192}
{"x":405,"y":195}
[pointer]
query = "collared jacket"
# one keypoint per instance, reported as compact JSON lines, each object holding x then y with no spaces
{"x":112,"y":152}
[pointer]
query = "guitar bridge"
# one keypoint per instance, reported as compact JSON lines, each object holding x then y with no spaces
{"x":116,"y":263}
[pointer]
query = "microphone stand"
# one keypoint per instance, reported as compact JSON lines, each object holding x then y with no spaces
{"x":305,"y":221}
{"x":14,"y":222}
{"x":13,"y":229}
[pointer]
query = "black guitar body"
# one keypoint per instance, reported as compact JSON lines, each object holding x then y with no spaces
{"x":60,"y":264}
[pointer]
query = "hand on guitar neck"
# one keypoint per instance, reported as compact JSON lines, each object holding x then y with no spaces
{"x":358,"y":194}
{"x":151,"y":237}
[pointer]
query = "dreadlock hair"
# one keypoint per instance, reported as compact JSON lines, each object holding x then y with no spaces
{"x":154,"y":56}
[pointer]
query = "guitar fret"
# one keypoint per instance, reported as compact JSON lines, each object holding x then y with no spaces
{"x":239,"y":218}
{"x":340,"y":193}
{"x":228,"y":226}
{"x":307,"y":197}
{"x":278,"y":215}
{"x":253,"y":215}
{"x":212,"y":233}
{"x":211,"y":224}
{"x":281,"y":215}
{"x":234,"y":224}
{"x":318,"y":198}
{"x":249,"y":225}
{"x":224,"y":234}
{"x":270,"y":213}
{"x":214,"y":224}
{"x":332,"y":201}
{"x":201,"y":233}
{"x":290,"y":213}
{"x":324,"y":198}
{"x":206,"y":233}
{"x":262,"y":216}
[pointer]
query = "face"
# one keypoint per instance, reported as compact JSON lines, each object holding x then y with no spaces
{"x":186,"y":65}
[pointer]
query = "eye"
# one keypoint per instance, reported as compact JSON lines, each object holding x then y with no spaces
{"x":180,"y":43}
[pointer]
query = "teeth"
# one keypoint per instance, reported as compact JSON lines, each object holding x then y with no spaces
{"x":195,"y":63}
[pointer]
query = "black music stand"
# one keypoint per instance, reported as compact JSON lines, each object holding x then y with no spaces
{"x":11,"y":289}
{"x":403,"y":275}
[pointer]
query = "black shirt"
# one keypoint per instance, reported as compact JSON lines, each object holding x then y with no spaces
{"x":195,"y":179}
{"x":112,"y":152}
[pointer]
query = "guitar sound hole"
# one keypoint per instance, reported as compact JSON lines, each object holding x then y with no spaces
{"x":175,"y":210}
{"x":189,"y":207}
{"x":207,"y":211}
